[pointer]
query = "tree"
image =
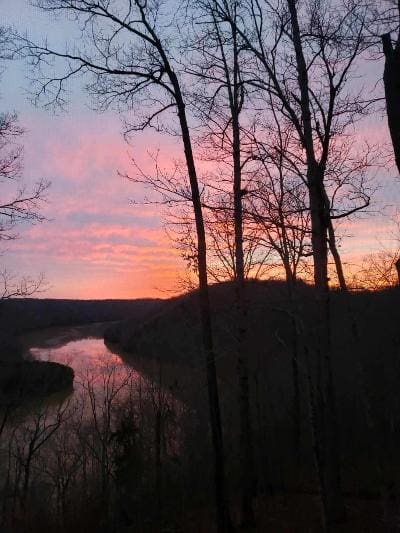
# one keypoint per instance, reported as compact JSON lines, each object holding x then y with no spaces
{"x":221,"y":240}
{"x":391,"y":79}
{"x":129,"y":59}
{"x":381,"y":269}
{"x":29,"y":439}
{"x":18,"y":205}
{"x":217,"y":63}
{"x":378,"y":270}
{"x":305,"y":54}
{"x":278,"y":198}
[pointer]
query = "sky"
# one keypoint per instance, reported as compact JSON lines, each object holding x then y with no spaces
{"x":96,"y":243}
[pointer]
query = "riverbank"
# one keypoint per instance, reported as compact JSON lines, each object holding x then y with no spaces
{"x":24,"y":381}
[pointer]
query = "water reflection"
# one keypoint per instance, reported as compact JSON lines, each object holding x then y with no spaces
{"x":82,"y":349}
{"x":98,"y":370}
{"x":79,"y":354}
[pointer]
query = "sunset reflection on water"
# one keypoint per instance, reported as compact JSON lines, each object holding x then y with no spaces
{"x":79,"y":354}
{"x":107,"y":392}
{"x":87,"y":356}
{"x":98,"y":370}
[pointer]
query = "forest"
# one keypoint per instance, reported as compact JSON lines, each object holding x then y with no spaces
{"x":263,"y":395}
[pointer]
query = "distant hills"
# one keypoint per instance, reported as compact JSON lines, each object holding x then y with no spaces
{"x":25,"y":314}
{"x":30,"y":313}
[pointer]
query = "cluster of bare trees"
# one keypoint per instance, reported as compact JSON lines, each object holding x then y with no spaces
{"x":267,"y":95}
{"x":99,"y":455}
{"x":19,"y":204}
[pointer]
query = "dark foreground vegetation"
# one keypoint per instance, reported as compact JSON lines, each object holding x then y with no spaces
{"x":365,"y":339}
{"x":132,"y":454}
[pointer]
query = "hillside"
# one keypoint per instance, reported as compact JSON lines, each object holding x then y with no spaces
{"x":366,"y":364}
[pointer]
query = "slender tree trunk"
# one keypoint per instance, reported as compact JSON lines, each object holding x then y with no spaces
{"x":325,"y":430}
{"x":324,"y":418}
{"x":247,"y":472}
{"x":25,"y":486}
{"x":336,"y":257}
{"x":397,"y":265}
{"x":391,"y":80}
{"x":319,"y":230}
{"x":223,"y":516}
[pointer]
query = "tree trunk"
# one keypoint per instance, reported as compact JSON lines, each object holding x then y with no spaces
{"x":247,"y":473}
{"x":336,"y":257}
{"x":324,"y":419}
{"x":223,"y":516}
{"x":397,"y":264}
{"x":391,"y":80}
{"x":319,"y":231}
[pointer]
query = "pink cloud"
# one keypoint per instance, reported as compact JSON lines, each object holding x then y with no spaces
{"x":97,"y":243}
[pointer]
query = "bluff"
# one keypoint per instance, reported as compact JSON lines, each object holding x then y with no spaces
{"x":365,"y":339}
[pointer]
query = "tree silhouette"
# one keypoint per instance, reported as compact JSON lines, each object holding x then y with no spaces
{"x":130,"y":63}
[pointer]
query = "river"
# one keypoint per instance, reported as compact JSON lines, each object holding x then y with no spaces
{"x":80,"y":347}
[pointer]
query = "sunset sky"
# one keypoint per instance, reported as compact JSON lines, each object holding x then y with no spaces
{"x":96,"y":244}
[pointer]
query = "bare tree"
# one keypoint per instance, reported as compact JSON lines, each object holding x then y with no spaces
{"x":129,"y":59}
{"x":278,"y":198}
{"x":24,"y":206}
{"x":380,"y":270}
{"x":216,"y":61}
{"x":221,"y":240}
{"x":315,"y":85}
{"x":19,"y":204}
{"x":385,"y":17}
{"x":391,"y":76}
{"x":30,"y":437}
{"x":306,"y":53}
{"x":278,"y":205}
{"x":13,"y":286}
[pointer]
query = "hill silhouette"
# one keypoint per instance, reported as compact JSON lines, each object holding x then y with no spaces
{"x":365,"y":338}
